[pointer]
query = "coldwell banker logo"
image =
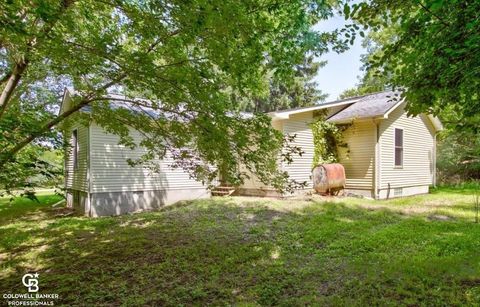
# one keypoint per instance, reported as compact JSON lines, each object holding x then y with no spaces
{"x":31,"y":282}
{"x":33,"y":297}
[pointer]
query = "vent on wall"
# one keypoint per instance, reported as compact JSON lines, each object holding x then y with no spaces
{"x":397,"y":192}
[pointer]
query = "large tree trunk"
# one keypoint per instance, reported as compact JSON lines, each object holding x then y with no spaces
{"x":10,"y":153}
{"x":11,"y":84}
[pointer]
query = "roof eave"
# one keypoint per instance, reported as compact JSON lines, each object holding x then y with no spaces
{"x":341,"y":121}
{"x":393,"y":108}
{"x":437,"y":124}
{"x":358,"y":119}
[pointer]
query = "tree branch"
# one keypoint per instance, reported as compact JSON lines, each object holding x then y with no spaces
{"x":89,"y":98}
{"x":11,"y":85}
{"x":94,"y":51}
{"x":8,"y":155}
{"x":433,"y":14}
{"x":20,"y":67}
{"x":6,"y":77}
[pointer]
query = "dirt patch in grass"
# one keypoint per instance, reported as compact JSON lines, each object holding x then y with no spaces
{"x":437,"y":217}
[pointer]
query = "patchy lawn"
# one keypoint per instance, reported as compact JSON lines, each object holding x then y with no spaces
{"x":421,"y":250}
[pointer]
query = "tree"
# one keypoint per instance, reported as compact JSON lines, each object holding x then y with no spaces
{"x":458,"y":150}
{"x":373,"y":79}
{"x":432,"y":54}
{"x":183,"y":58}
{"x":458,"y":156}
{"x":300,"y":91}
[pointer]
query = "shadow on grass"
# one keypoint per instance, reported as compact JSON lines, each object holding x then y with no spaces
{"x":221,"y":252}
{"x":20,"y":207}
{"x":467,"y":188}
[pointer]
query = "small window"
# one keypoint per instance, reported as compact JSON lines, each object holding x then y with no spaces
{"x":75,"y":148}
{"x":398,"y":147}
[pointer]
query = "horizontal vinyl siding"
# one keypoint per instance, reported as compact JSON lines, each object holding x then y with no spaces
{"x":301,"y":167}
{"x":76,"y":179}
{"x":359,"y":161}
{"x":110,"y":171}
{"x":406,"y":191}
{"x":418,"y":147}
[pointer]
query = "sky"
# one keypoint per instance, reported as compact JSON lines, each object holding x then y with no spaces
{"x":342,"y":70}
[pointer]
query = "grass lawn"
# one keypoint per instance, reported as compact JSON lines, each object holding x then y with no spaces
{"x":422,"y":250}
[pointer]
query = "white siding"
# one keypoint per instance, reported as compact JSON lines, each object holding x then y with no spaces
{"x":301,"y":167}
{"x":406,"y":191}
{"x":359,"y":162}
{"x":76,"y":179}
{"x":418,"y":147}
{"x":110,"y":171}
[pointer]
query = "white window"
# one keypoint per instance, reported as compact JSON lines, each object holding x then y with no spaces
{"x":75,"y":148}
{"x":398,"y":147}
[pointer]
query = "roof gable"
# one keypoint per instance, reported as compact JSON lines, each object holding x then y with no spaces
{"x":285,"y":114}
{"x":378,"y":105}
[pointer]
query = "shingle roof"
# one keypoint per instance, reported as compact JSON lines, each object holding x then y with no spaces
{"x":125,"y":102}
{"x":360,"y":107}
{"x":320,"y":105}
{"x":370,"y":106}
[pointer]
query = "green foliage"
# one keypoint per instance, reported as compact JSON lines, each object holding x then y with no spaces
{"x":327,"y":139}
{"x":27,"y":112}
{"x":373,"y":79}
{"x":36,"y":166}
{"x":369,"y":83}
{"x":184,"y":58}
{"x":350,"y":92}
{"x":247,"y":251}
{"x":458,"y":157}
{"x":298,"y":91}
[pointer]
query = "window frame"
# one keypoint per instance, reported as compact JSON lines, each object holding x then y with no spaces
{"x":395,"y":165}
{"x":75,"y":149}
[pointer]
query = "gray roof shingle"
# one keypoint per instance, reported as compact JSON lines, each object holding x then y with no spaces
{"x":367,"y":107}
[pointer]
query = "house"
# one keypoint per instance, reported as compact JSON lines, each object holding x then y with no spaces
{"x":389,"y":155}
{"x":99,"y":181}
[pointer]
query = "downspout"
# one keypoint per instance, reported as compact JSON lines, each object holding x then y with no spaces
{"x":377,"y":161}
{"x":65,"y":135}
{"x":434,"y":176}
{"x":376,"y":170}
{"x":65,"y":166}
{"x":89,"y":177}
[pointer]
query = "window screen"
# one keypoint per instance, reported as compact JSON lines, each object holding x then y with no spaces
{"x":398,"y":147}
{"x":75,"y":148}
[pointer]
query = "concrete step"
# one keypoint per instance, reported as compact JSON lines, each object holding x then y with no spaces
{"x":218,"y":193}
{"x":224,"y":188}
{"x":223,"y":191}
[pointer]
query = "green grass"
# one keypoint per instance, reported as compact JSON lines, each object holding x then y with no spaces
{"x":422,"y":250}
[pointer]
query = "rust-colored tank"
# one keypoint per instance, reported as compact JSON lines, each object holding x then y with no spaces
{"x":328,"y":179}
